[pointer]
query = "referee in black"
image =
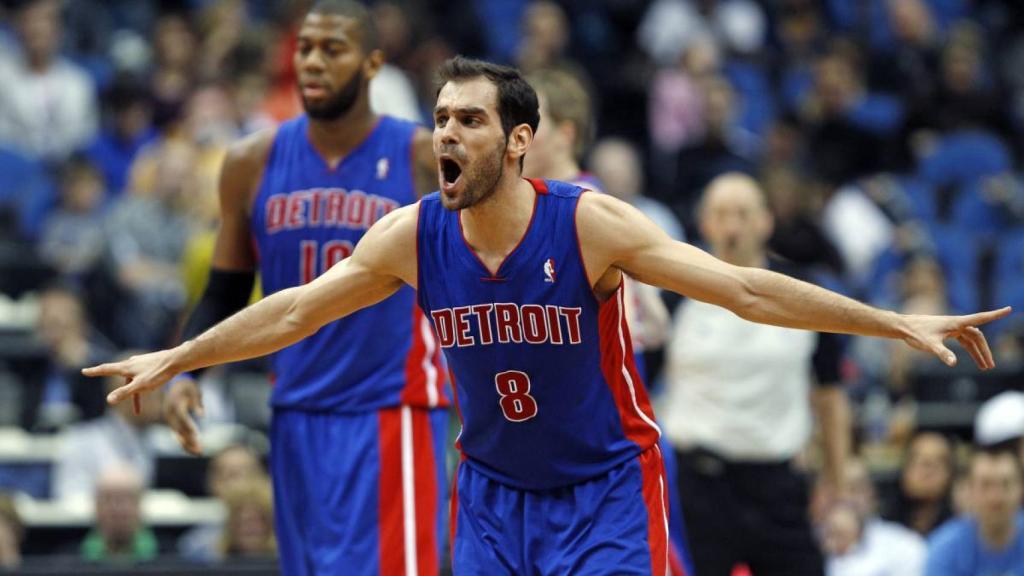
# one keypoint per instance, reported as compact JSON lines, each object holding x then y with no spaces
{"x":740,"y":404}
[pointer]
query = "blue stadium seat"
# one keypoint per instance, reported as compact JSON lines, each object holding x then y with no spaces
{"x":962,"y":158}
{"x":1008,"y":274}
{"x":957,"y":252}
{"x":973,"y":211}
{"x":923,"y":202}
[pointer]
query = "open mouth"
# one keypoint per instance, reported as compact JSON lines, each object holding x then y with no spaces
{"x":450,"y":171}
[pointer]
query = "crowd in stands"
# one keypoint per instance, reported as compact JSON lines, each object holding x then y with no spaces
{"x":887,"y":135}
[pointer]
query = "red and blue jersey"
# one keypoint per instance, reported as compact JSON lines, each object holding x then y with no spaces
{"x":545,"y":380}
{"x":306,"y":217}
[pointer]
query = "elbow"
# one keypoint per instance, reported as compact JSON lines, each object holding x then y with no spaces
{"x":298,"y":322}
{"x":744,"y":299}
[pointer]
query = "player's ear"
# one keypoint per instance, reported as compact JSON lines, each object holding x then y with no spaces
{"x":519,"y":140}
{"x":373,"y":63}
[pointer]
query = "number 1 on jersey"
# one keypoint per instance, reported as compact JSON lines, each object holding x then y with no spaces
{"x":329,"y":254}
{"x":514,"y":388}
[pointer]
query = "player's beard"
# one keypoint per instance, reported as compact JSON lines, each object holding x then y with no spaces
{"x":481,"y":181}
{"x":339,"y":103}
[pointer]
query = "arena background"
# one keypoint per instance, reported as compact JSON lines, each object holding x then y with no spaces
{"x":886,"y":133}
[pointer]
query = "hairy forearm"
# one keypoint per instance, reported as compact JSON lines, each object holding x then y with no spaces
{"x":264,"y":327}
{"x":773,"y":298}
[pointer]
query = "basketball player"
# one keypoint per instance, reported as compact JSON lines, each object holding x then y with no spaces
{"x":563,"y":134}
{"x":358,"y":416}
{"x":561,"y":472}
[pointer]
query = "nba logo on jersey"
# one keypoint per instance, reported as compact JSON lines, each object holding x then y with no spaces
{"x":549,"y":270}
{"x":382,"y":168}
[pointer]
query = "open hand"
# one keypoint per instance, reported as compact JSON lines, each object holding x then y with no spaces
{"x":928,"y":333}
{"x":182,"y":405}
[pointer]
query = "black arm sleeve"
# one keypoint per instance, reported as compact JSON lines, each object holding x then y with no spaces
{"x":227,"y":292}
{"x":827,"y":359}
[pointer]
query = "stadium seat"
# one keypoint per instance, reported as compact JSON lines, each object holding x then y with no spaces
{"x":962,"y":158}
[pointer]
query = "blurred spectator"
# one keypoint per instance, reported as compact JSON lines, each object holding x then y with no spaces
{"x":11,"y":533}
{"x":119,"y":438}
{"x":249,"y":531}
{"x":922,"y":290}
{"x":618,"y":165}
{"x":967,"y":96}
{"x":676,"y":108}
{"x":119,"y":534}
{"x":222,"y":25}
{"x":907,"y":67}
{"x":148,"y":230}
{"x":722,"y":148}
{"x":73,"y":239}
{"x":736,"y":456}
{"x":992,"y":541}
{"x":566,"y":126}
{"x":47,"y":104}
{"x":391,"y":90}
{"x":64,"y":329}
{"x":208,"y":117}
{"x":1000,"y":422}
{"x":670,"y":26}
{"x":129,"y":127}
{"x":175,"y":46}
{"x":545,"y":36}
{"x":926,"y":480}
{"x":801,"y":33}
{"x":797,"y":236}
{"x":859,"y":543}
{"x":852,"y":131}
{"x":233,"y":467}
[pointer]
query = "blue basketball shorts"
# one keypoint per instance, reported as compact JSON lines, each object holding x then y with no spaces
{"x":359,"y":494}
{"x":616,"y":523}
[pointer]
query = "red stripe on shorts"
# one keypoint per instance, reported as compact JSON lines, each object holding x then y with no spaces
{"x":392,"y":541}
{"x":653,"y":470}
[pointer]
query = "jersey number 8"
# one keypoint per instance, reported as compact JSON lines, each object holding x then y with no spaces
{"x":516,"y":402}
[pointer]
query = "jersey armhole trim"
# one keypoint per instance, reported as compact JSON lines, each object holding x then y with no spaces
{"x":579,"y":247}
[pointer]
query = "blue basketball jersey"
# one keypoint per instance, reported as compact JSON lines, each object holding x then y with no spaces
{"x":306,"y":217}
{"x":544,"y":375}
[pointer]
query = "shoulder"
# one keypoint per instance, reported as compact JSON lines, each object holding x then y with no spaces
{"x":397,"y":228}
{"x":243,"y":167}
{"x":604,"y":212}
{"x":251,"y":150}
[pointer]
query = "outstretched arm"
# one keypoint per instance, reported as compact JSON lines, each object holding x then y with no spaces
{"x":617,"y":237}
{"x":381,"y":262}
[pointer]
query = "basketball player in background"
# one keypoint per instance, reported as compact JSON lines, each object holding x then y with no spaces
{"x":359,"y":425}
{"x":565,"y":131}
{"x":561,"y":471}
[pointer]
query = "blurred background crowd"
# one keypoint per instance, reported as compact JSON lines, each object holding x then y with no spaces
{"x":886,"y":134}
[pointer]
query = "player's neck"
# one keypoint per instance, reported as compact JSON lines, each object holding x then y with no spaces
{"x":495,"y":226}
{"x":334,"y":139}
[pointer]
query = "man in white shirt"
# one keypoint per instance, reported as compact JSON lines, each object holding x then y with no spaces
{"x":738,"y":409}
{"x":48,"y":105}
{"x":118,"y":438}
{"x":874,"y":547}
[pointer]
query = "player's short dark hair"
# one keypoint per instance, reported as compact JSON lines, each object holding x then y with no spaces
{"x":356,"y":11}
{"x":517,"y":100}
